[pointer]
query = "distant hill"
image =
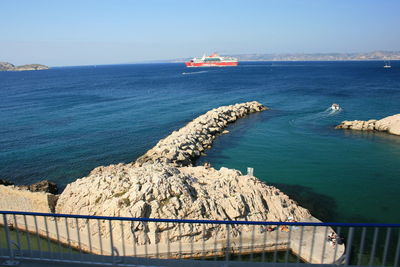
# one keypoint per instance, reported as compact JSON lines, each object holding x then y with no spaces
{"x":6,"y":66}
{"x":376,"y":55}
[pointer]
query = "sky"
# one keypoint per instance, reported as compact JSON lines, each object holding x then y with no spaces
{"x":87,"y":32}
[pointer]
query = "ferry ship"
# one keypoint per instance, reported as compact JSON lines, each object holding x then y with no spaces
{"x":213,"y":60}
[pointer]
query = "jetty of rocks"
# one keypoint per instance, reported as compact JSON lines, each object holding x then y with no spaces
{"x":389,"y":124}
{"x":183,"y":147}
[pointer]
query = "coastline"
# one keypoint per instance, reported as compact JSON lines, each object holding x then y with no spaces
{"x":168,"y":165}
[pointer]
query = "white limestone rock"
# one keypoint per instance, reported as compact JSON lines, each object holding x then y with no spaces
{"x":156,"y":190}
{"x":182,"y":147}
{"x":389,"y":124}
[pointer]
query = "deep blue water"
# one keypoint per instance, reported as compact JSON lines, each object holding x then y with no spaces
{"x":61,"y":123}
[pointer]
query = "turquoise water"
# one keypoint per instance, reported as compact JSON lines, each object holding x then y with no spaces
{"x":61,"y":123}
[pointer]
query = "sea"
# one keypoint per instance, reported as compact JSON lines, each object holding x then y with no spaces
{"x":59,"y":124}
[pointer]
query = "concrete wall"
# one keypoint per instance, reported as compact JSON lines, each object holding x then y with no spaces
{"x":15,"y":199}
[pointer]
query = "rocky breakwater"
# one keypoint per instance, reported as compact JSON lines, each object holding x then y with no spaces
{"x":183,"y":147}
{"x":389,"y":124}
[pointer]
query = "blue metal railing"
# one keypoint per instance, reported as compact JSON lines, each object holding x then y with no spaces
{"x":124,"y":240}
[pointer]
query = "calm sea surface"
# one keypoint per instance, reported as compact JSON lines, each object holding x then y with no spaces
{"x":61,"y":123}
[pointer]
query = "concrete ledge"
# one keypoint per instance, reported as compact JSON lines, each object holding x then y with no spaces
{"x":15,"y":199}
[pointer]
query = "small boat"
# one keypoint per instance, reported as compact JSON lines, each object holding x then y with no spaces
{"x":335,"y":106}
{"x":387,"y":65}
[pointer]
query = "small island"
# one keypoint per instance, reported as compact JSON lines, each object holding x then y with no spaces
{"x":6,"y":66}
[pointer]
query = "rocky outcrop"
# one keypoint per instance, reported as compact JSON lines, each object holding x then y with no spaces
{"x":42,"y":186}
{"x":31,"y":67}
{"x":5,"y":182}
{"x":183,"y":147}
{"x":389,"y":124}
{"x":45,"y":186}
{"x":157,"y":190}
{"x":5,"y":66}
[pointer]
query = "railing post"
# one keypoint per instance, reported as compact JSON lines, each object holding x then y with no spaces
{"x":227,"y":243}
{"x":348,"y":245}
{"x":111,"y":242}
{"x":17,"y":232}
{"x":361,"y":249}
{"x":28,"y":239}
{"x":253,"y":229}
{"x":385,"y":251}
{"x":12,"y":260}
{"x":371,"y":259}
{"x":397,"y":256}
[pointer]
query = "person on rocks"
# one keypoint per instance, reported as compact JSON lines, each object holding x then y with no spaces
{"x":207,"y":165}
{"x":268,"y":229}
{"x":332,"y":239}
{"x":284,"y":228}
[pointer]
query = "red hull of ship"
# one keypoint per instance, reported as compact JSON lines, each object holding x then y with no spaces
{"x":213,"y":64}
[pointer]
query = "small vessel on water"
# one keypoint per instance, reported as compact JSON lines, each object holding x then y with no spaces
{"x":387,"y":65}
{"x":213,"y":60}
{"x":335,"y":106}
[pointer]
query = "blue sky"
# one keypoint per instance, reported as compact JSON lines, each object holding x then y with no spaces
{"x":84,"y":32}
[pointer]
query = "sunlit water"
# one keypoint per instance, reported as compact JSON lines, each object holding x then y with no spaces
{"x":61,"y":123}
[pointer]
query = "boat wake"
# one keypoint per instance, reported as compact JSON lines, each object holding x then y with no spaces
{"x":332,"y":112}
{"x":194,"y":72}
{"x":312,"y":117}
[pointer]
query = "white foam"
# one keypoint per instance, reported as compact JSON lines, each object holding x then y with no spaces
{"x":194,"y":72}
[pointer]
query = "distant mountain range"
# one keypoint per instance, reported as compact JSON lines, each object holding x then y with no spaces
{"x":376,"y":55}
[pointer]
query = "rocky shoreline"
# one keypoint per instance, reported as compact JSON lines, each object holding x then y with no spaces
{"x":390,"y":124}
{"x":163,"y":183}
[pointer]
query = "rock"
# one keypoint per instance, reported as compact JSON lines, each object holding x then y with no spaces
{"x":42,"y":186}
{"x":389,"y":124}
{"x":5,"y":182}
{"x":31,"y":67}
{"x":184,"y":146}
{"x":160,"y":190}
{"x":4,"y":66}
